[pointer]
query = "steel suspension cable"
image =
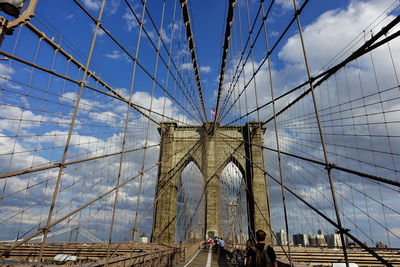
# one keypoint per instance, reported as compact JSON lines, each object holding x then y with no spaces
{"x":148,"y":122}
{"x":61,"y":168}
{"x":345,"y":231}
{"x":140,"y":65}
{"x":276,"y":133}
{"x":170,"y":58}
{"x":225,"y":49}
{"x":300,"y":10}
{"x":190,"y":36}
{"x":124,"y":138}
{"x":320,"y":78}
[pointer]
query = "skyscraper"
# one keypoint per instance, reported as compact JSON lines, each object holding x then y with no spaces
{"x":282,"y":237}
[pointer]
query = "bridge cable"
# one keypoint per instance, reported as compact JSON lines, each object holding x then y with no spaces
{"x":345,"y":231}
{"x":280,"y":38}
{"x":225,"y":49}
{"x":190,"y":37}
{"x":125,"y":136}
{"x":276,"y":132}
{"x":320,"y":78}
{"x":170,"y":58}
{"x":135,"y":59}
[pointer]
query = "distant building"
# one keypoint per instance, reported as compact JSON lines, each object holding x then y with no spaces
{"x":333,"y":240}
{"x":313,"y":240}
{"x":143,"y":238}
{"x":317,"y":240}
{"x":242,"y":238}
{"x":381,"y":245}
{"x":300,"y":240}
{"x":194,"y":235}
{"x":282,"y":237}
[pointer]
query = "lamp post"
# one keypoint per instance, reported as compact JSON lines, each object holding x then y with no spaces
{"x":232,"y":207}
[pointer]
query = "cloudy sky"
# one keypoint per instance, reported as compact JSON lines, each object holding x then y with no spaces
{"x":358,"y":105}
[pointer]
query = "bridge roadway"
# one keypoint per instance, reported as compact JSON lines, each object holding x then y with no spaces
{"x":205,"y":258}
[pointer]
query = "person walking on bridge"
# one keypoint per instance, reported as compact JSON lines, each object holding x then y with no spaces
{"x":221,"y":246}
{"x":262,"y":254}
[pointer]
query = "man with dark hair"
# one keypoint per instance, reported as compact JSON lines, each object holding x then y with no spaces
{"x":262,"y":255}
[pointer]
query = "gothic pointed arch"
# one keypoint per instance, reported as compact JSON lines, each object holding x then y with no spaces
{"x":211,"y":147}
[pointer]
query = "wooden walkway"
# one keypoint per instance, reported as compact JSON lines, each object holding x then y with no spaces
{"x":205,"y":258}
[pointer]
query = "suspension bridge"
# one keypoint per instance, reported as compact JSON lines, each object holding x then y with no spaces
{"x":132,"y":131}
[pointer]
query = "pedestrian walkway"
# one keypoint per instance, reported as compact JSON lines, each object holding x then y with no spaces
{"x":205,"y":258}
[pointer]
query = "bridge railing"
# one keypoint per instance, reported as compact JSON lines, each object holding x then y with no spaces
{"x":164,"y":257}
{"x":98,"y":254}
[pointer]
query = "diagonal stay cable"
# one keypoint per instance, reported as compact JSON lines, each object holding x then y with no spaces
{"x":249,"y":193}
{"x":114,"y":94}
{"x":278,"y":41}
{"x":69,"y":57}
{"x":232,"y":84}
{"x":365,"y":48}
{"x":344,"y":231}
{"x":134,"y":59}
{"x":234,"y":77}
{"x":170,"y":58}
{"x":331,"y":165}
{"x":161,"y":35}
{"x":63,"y":218}
{"x":320,"y":78}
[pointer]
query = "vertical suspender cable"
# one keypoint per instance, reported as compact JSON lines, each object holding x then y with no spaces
{"x":124,"y":138}
{"x":321,"y":134}
{"x":148,"y":122}
{"x":71,"y":127}
{"x":276,"y":134}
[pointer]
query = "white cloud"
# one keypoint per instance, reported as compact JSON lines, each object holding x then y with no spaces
{"x":162,"y":105}
{"x":130,"y":20}
{"x":187,"y":66}
{"x":14,"y":86}
{"x":14,"y":118}
{"x":205,"y":69}
{"x":150,"y":35}
{"x":69,"y":16}
{"x":184,"y":51}
{"x":321,"y":37}
{"x":92,"y":4}
{"x":175,"y":26}
{"x":108,"y":117}
{"x":115,"y":54}
{"x":285,"y":4}
{"x":322,"y":45}
{"x":21,"y":159}
{"x":100,"y":32}
{"x":5,"y":73}
{"x":59,"y":138}
{"x":112,"y":6}
{"x":164,"y":36}
{"x":84,"y":104}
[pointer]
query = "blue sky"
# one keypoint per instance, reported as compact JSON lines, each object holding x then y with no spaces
{"x":37,"y":107}
{"x":208,"y":22}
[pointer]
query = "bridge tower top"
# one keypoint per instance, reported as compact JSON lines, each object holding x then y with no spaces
{"x":211,"y":147}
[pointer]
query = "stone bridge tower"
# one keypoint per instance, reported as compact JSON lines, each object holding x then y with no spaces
{"x":211,"y":149}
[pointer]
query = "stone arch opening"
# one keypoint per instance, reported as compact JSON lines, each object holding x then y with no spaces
{"x":190,"y":204}
{"x":211,"y":147}
{"x":233,"y":203}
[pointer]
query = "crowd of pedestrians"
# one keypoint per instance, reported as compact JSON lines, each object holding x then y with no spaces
{"x":257,"y":253}
{"x":217,"y":244}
